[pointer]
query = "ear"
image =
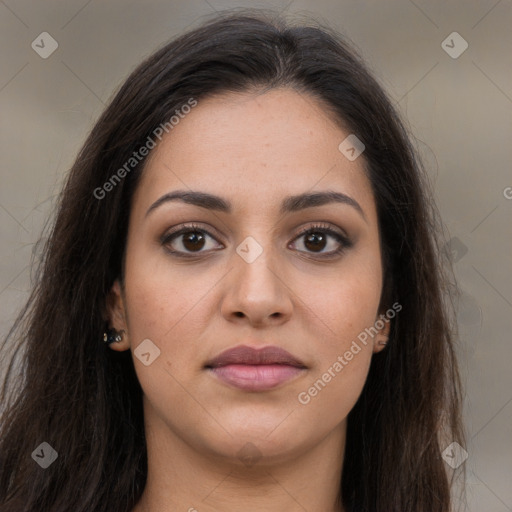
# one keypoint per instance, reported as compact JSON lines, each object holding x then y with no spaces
{"x":380,"y":340}
{"x":116,"y":314}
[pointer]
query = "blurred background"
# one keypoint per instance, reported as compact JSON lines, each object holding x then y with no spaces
{"x":446,"y":66}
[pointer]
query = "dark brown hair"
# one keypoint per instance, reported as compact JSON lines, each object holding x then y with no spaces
{"x":86,"y":401}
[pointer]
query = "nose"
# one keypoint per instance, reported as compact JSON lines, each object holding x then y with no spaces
{"x":256,"y":293}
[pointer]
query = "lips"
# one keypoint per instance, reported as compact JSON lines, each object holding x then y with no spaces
{"x":250,"y":356}
{"x":251,"y":369}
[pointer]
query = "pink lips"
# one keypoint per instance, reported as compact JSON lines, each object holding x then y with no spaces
{"x":255,"y":369}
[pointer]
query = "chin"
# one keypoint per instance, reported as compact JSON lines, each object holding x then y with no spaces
{"x":251,"y":443}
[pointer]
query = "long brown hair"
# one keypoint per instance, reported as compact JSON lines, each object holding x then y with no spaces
{"x":85,"y":401}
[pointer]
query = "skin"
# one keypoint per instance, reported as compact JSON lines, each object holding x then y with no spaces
{"x":253,"y":150}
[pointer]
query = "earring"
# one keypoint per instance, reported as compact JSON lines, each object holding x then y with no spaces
{"x":112,"y":336}
{"x":383,"y":343}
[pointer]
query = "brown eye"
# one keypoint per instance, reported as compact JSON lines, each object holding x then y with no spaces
{"x":322,"y":241}
{"x":189,"y":240}
{"x":193,"y":241}
{"x":315,"y":241}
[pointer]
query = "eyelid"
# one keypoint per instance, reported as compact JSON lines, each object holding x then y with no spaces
{"x":189,"y":226}
{"x":324,"y":226}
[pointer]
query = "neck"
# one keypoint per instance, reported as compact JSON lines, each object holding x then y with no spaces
{"x":183,"y":477}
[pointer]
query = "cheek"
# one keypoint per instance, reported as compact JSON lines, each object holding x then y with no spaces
{"x":343,"y":349}
{"x":157,"y":296}
{"x":332,"y":393}
{"x":170,"y":305}
{"x":343,"y":304}
{"x":167,"y":313}
{"x":342,"y":312}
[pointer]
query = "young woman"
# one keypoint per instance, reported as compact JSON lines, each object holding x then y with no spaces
{"x":241,"y":303}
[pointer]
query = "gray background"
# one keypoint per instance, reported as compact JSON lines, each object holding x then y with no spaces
{"x":459,"y":109}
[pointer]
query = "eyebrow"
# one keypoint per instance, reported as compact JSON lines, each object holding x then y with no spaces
{"x":289,"y":205}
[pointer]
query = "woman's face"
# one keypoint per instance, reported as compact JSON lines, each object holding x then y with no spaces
{"x":243,"y":274}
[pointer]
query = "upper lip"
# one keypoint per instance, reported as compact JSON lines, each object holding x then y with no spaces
{"x":243,"y":354}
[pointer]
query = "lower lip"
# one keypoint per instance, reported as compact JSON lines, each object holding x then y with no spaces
{"x":256,"y":377}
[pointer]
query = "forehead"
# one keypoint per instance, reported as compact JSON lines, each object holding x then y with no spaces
{"x":256,"y":147}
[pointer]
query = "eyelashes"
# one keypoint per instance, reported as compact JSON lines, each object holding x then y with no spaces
{"x":193,"y":240}
{"x":310,"y":235}
{"x":198,"y":238}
